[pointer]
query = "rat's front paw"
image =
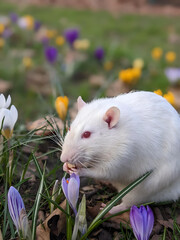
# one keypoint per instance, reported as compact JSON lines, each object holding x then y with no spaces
{"x":119,"y":208}
{"x":69,"y":170}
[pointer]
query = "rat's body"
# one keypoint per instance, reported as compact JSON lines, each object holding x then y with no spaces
{"x":119,"y":139}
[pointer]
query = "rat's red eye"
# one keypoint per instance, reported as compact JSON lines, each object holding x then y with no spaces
{"x":86,"y":134}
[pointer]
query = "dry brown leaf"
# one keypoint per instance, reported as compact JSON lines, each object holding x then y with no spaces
{"x":88,"y":188}
{"x":117,"y":88}
{"x":166,"y":224}
{"x":122,"y":218}
{"x":54,"y":223}
{"x":38,"y":81}
{"x":46,"y":128}
{"x":156,"y":237}
{"x":97,"y":80}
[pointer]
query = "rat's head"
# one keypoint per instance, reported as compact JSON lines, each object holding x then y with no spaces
{"x":89,"y":143}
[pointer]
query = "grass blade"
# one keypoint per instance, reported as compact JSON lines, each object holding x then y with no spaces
{"x":37,"y":202}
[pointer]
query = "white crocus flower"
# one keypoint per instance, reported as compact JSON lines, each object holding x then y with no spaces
{"x":3,"y":102}
{"x":22,"y":23}
{"x":8,"y":118}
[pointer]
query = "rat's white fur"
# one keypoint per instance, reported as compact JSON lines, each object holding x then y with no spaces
{"x":146,"y":137}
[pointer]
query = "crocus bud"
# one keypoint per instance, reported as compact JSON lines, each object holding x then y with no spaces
{"x":142,"y":221}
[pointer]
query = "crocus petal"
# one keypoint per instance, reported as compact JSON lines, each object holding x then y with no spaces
{"x":2,"y":101}
{"x":65,"y":187}
{"x":145,"y":221}
{"x":73,"y":175}
{"x":136,"y":221}
{"x":15,"y":205}
{"x":24,"y":225}
{"x":51,"y":54}
{"x":73,"y":193}
{"x":150,"y":221}
{"x":14,"y":114}
{"x":8,"y":102}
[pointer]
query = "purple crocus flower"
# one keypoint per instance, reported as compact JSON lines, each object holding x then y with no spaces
{"x":70,"y":188}
{"x":13,"y":17}
{"x":17,"y":211}
{"x":173,"y":74}
{"x":51,"y":54}
{"x":71,"y":35}
{"x":37,"y":25}
{"x":99,"y":53}
{"x":142,"y":221}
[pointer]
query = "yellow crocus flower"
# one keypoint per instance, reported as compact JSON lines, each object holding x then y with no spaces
{"x":27,"y":62}
{"x":2,"y":42}
{"x":138,"y":63}
{"x":30,"y":21}
{"x":158,"y":92}
{"x":61,"y":105}
{"x":51,"y":33}
{"x":170,"y":56}
{"x":81,"y":44}
{"x":2,"y":27}
{"x":170,"y":97}
{"x":130,"y":75}
{"x":108,"y":65}
{"x":60,"y":40}
{"x":156,"y":53}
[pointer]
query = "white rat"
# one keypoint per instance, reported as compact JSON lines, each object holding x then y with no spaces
{"x":119,"y":139}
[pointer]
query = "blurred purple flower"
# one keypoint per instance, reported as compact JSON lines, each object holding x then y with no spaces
{"x":71,"y":35}
{"x":173,"y":74}
{"x":37,"y":25}
{"x":17,"y":211}
{"x":7,"y":33}
{"x":51,"y":54}
{"x":142,"y":222}
{"x":99,"y":53}
{"x":13,"y":17}
{"x":70,"y":188}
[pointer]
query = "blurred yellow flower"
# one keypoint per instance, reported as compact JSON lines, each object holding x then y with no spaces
{"x":61,"y":105}
{"x":156,"y":53}
{"x":108,"y":65}
{"x":50,"y":33}
{"x":170,"y":56}
{"x":30,"y":21}
{"x":130,"y":75}
{"x":138,"y":63}
{"x":2,"y":42}
{"x":27,"y":62}
{"x":158,"y":92}
{"x":170,"y":97}
{"x":2,"y":27}
{"x":81,"y":44}
{"x":60,"y":40}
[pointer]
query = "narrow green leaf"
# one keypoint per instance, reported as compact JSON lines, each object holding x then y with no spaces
{"x":37,"y":202}
{"x":40,"y":173}
{"x":164,"y":234}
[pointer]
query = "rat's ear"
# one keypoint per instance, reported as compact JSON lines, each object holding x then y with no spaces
{"x":112,"y":116}
{"x":80,"y":103}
